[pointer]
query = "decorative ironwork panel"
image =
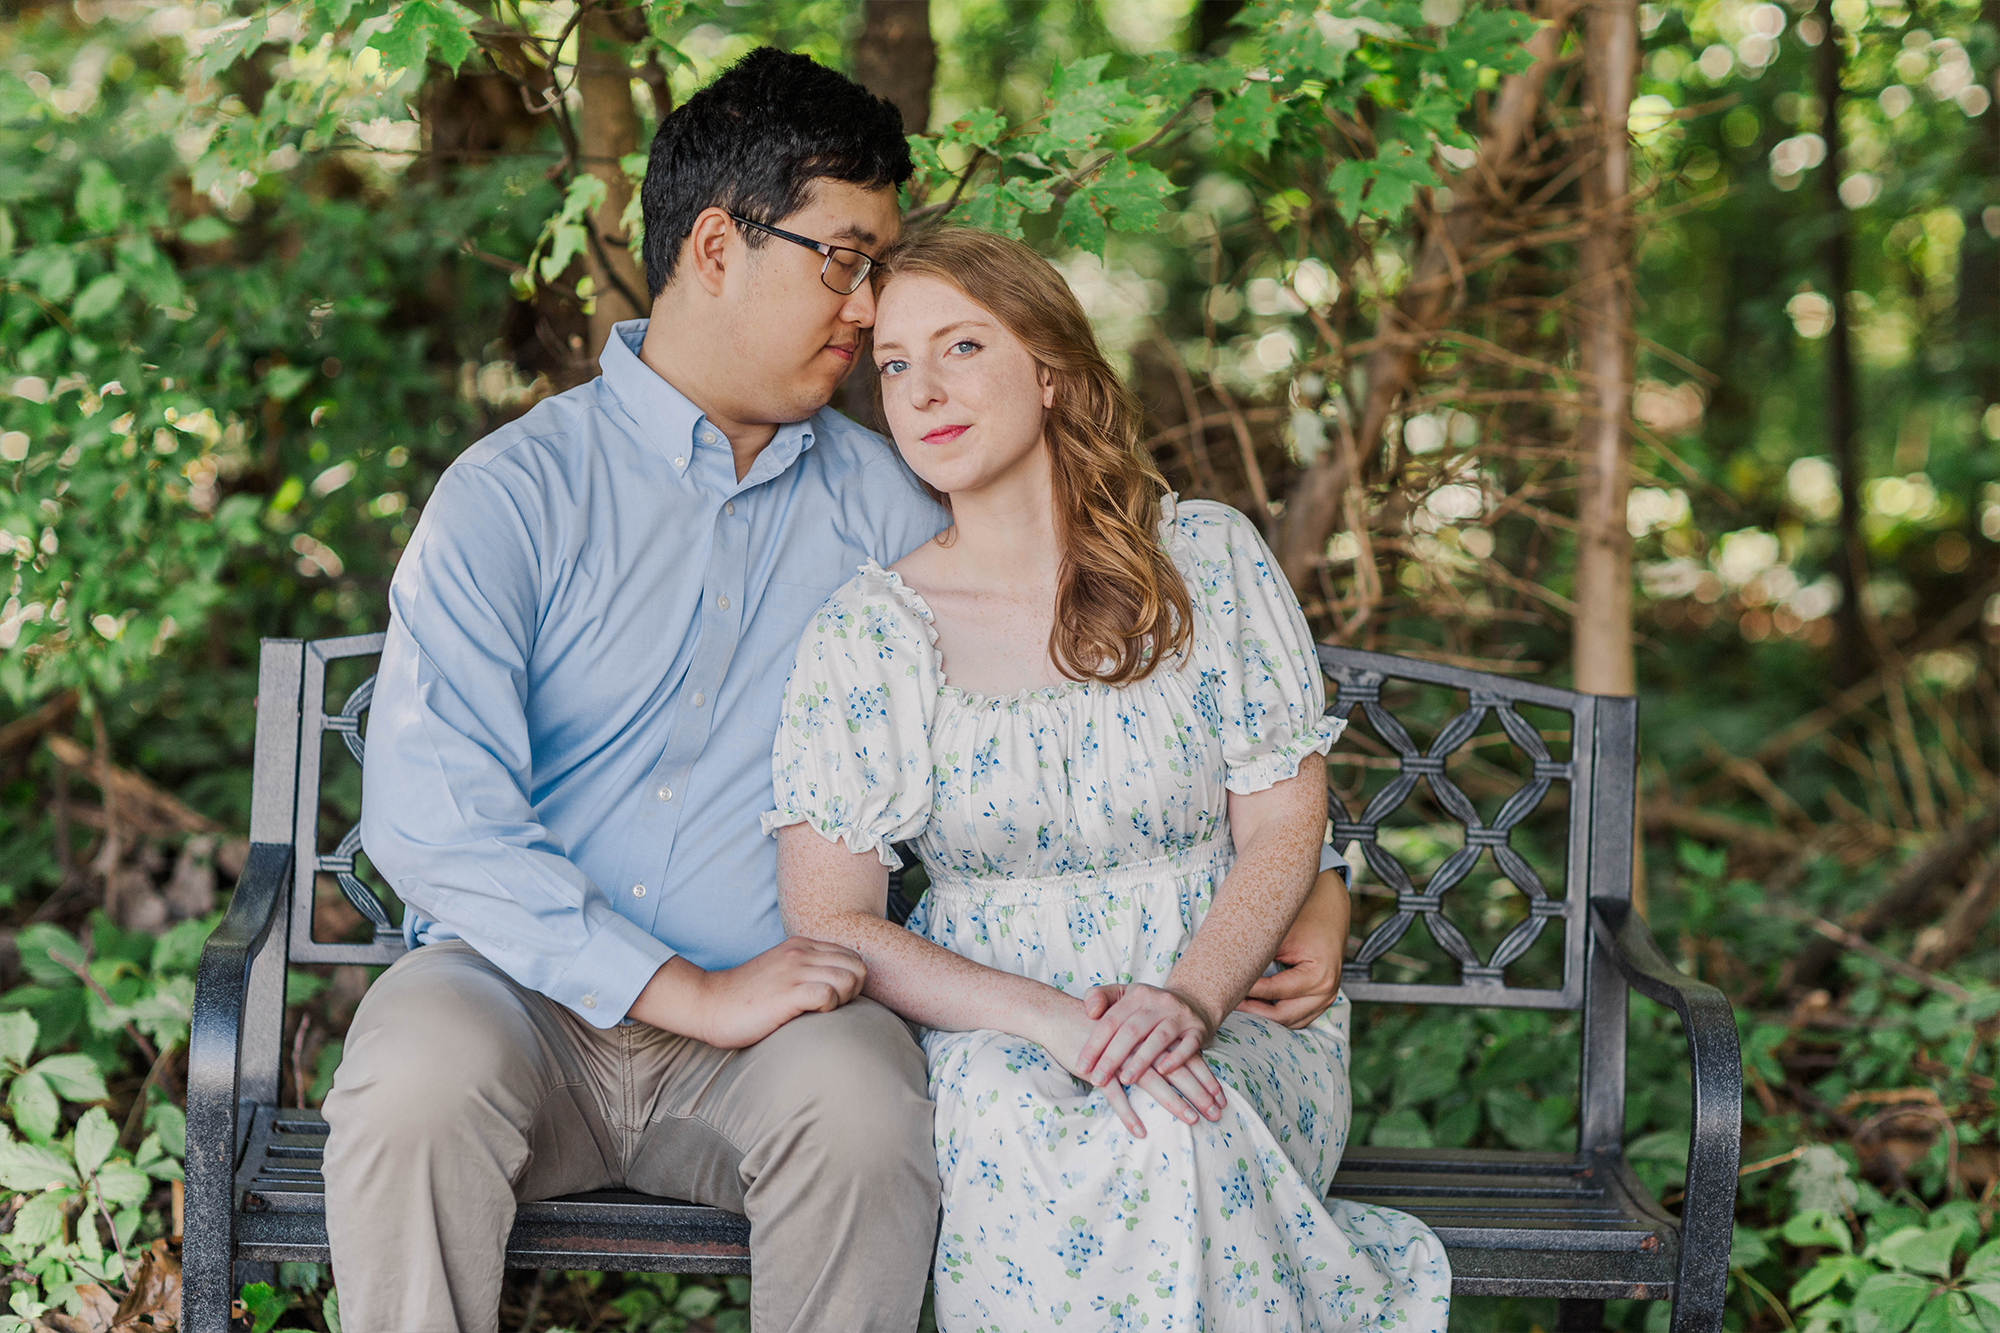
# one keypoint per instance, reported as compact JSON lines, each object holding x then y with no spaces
{"x":311,"y":860}
{"x":1356,"y":682}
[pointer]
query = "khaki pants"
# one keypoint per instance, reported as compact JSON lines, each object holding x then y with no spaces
{"x":460,"y":1093}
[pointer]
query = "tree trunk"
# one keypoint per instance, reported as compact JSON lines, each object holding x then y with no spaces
{"x":1602,"y":641}
{"x":895,"y":58}
{"x":1851,"y":655}
{"x":1313,"y":508}
{"x":608,"y":130}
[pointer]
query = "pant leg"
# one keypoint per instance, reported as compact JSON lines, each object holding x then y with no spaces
{"x":821,"y":1135}
{"x":458,"y":1092}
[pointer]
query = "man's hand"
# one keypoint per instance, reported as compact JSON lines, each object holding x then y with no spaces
{"x":740,"y":1006}
{"x":1310,"y":957}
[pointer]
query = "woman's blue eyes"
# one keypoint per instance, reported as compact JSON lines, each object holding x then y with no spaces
{"x":896,"y":365}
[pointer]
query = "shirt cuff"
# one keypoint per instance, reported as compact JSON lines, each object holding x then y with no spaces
{"x":604,"y":979}
{"x":1331,"y":859}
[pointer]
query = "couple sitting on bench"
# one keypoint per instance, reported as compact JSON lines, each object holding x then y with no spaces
{"x":1108,"y":1043}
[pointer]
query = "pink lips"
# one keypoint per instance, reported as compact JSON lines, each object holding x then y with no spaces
{"x":945,"y":434}
{"x":845,"y":353}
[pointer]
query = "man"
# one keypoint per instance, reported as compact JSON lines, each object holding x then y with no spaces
{"x":570,"y":746}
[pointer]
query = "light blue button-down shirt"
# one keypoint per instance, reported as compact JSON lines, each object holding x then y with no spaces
{"x":589,"y":634}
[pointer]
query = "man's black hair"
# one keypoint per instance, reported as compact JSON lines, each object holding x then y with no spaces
{"x":754,"y":141}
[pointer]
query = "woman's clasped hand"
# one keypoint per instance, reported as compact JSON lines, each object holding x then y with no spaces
{"x":1143,"y":1037}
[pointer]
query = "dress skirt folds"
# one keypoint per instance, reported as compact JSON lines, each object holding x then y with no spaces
{"x":1077,"y":835}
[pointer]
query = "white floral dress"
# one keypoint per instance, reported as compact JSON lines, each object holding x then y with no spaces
{"x":1076,"y":834}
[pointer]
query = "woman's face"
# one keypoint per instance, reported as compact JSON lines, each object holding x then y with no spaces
{"x":964,"y":398}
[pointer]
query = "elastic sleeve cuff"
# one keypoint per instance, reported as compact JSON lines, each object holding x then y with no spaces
{"x":1269,"y":769}
{"x":857,"y":841}
{"x":604,"y":979}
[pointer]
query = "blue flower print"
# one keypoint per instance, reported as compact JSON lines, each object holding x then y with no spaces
{"x":1076,"y":835}
{"x":1077,"y":1246}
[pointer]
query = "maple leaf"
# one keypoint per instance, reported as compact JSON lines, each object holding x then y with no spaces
{"x":1082,"y":106}
{"x":1382,"y":186}
{"x":1249,"y":120}
{"x":421,"y":27}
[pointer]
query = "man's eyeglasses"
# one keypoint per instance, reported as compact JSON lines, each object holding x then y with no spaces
{"x":844,"y":270}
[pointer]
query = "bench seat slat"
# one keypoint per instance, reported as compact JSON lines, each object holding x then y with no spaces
{"x":1514,"y":1223}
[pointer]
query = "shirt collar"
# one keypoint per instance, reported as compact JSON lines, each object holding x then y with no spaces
{"x":672,"y":424}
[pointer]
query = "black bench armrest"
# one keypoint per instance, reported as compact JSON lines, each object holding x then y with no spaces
{"x":215,"y":1036}
{"x":1709,"y":1209}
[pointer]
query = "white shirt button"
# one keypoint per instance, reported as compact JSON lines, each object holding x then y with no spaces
{"x":665,"y":793}
{"x":638,"y":890}
{"x":708,"y":437}
{"x":729,"y":508}
{"x":590,"y":1001}
{"x":699,"y":698}
{"x":722,"y":602}
{"x":680,"y":462}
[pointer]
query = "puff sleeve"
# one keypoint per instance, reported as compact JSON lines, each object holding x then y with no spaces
{"x":1263,"y":677}
{"x":853,"y":757}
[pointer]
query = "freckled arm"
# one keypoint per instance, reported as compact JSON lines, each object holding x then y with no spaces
{"x":1277,"y":833}
{"x":829,"y":893}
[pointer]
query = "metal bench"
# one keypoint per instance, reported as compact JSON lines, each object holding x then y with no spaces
{"x":1576,"y":1226}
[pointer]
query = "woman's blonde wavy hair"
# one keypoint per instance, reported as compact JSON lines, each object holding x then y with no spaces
{"x":1121,"y":606}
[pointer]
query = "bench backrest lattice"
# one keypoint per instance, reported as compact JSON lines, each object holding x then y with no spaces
{"x":309,"y":860}
{"x":1596,"y":778}
{"x":1574,"y":1226}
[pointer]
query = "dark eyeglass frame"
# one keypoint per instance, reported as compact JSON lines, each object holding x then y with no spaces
{"x":865,"y":262}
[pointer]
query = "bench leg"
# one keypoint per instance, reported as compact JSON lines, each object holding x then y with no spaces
{"x":1579,"y":1317}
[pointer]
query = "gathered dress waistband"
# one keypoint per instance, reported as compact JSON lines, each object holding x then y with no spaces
{"x":1212,"y":858}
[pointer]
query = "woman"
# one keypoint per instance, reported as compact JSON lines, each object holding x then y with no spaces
{"x":1101,"y":724}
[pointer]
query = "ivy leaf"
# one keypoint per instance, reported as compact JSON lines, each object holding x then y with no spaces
{"x":1249,"y":120}
{"x":423,"y":26}
{"x":75,"y":1077}
{"x":36,"y":1111}
{"x":1134,"y":193}
{"x":100,"y":199}
{"x":17,"y":1036}
{"x":1082,"y":225}
{"x":1919,"y":1251}
{"x":96,"y":1136}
